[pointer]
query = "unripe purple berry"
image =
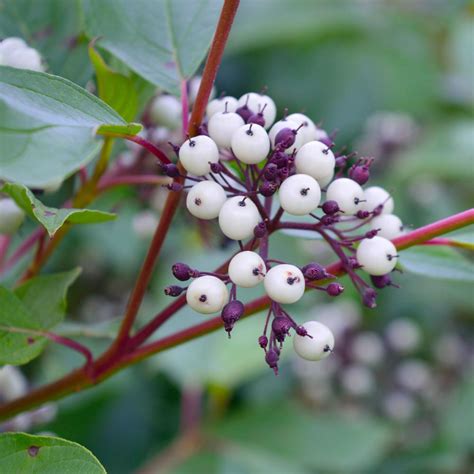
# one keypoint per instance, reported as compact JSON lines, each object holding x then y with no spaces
{"x":362,"y":214}
{"x":231,"y":313}
{"x":217,"y":167}
{"x":257,"y":118}
{"x":334,"y":289}
{"x":281,"y":327}
{"x":371,"y":233}
{"x":263,"y":341}
{"x":268,"y":188}
{"x":328,"y":141}
{"x":175,"y":187}
{"x":381,"y":281}
{"x":341,"y":161}
{"x":244,"y":112}
{"x":174,"y":290}
{"x":330,"y":208}
{"x":369,"y":298}
{"x":260,"y":230}
{"x":270,"y":172}
{"x":359,"y":173}
{"x":285,"y":138}
{"x":271,"y":358}
{"x":314,"y":271}
{"x":170,"y":170}
{"x":181,"y":271}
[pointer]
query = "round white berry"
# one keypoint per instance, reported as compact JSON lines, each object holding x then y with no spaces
{"x":357,"y":380}
{"x":247,"y":269}
{"x":390,"y":225}
{"x":26,"y":58}
{"x":257,"y":102}
{"x":238,"y":217}
{"x":378,"y":256}
{"x":166,"y":110}
{"x":280,"y":125}
{"x":316,"y":159}
{"x":11,"y":216}
{"x":207,"y":294}
{"x":299,"y":194}
{"x":222,"y":126}
{"x":13,"y":384}
{"x":53,"y":186}
{"x":205,"y":200}
{"x":9,"y":45}
{"x":193,"y":89}
{"x":317,"y":345}
{"x":220,"y":104}
{"x":376,"y":196}
{"x":325,"y":180}
{"x":309,"y":129}
{"x":284,"y":283}
{"x":250,"y":144}
{"x":347,"y":193}
{"x":197,"y":153}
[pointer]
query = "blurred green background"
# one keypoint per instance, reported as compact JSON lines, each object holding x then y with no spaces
{"x":396,"y":78}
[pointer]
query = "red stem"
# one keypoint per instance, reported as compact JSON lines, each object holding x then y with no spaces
{"x":184,"y":106}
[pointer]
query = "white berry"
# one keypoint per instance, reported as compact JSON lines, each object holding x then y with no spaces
{"x":207,"y":294}
{"x":347,"y":193}
{"x":325,"y":180}
{"x":280,"y":125}
{"x":284,"y":283}
{"x":222,"y":126}
{"x":316,"y":159}
{"x":247,"y":269}
{"x":144,"y":224}
{"x":193,"y":89}
{"x":11,"y":216}
{"x":250,"y":144}
{"x":299,"y":194}
{"x":197,"y":153}
{"x":9,"y":45}
{"x":390,"y":225}
{"x":309,"y":129}
{"x":166,"y":110}
{"x":26,"y":58}
{"x":52,"y":186}
{"x":238,"y":218}
{"x":376,"y":196}
{"x":220,"y":105}
{"x":317,"y":345}
{"x":205,"y":200}
{"x":257,"y":102}
{"x":378,"y":256}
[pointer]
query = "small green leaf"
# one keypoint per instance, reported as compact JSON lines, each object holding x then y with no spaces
{"x":442,"y":263}
{"x":51,"y":218}
{"x":22,"y":453}
{"x":172,"y":41}
{"x":114,"y":88}
{"x":17,"y":347}
{"x":45,"y":296}
{"x":129,"y":129}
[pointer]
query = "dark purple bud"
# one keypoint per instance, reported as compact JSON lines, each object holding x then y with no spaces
{"x":371,"y":233}
{"x":271,"y":358}
{"x":301,"y":331}
{"x":281,"y":327}
{"x":260,"y":230}
{"x":334,"y":289}
{"x":175,"y":149}
{"x":170,"y":170}
{"x":181,"y":271}
{"x":268,"y":188}
{"x":341,"y":161}
{"x":283,"y":173}
{"x":257,"y":118}
{"x":244,"y":112}
{"x":330,"y":207}
{"x":360,"y":174}
{"x":381,"y":281}
{"x":327,"y":141}
{"x":369,"y":298}
{"x":378,"y":210}
{"x":231,"y":313}
{"x":353,"y":263}
{"x":263,"y":341}
{"x":217,"y":167}
{"x":174,"y":290}
{"x":314,"y":271}
{"x":175,"y":186}
{"x":285,"y":138}
{"x":329,"y":220}
{"x":362,"y":214}
{"x":270,"y":172}
{"x":202,"y":129}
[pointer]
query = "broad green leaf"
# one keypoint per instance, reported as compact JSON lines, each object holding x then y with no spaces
{"x":164,"y":41}
{"x":326,"y":443}
{"x":17,"y":346}
{"x":51,"y":218}
{"x":463,"y":239}
{"x":114,"y":88}
{"x":442,"y":263}
{"x":47,"y":126}
{"x":45,"y":296}
{"x":129,"y":129}
{"x":22,"y":453}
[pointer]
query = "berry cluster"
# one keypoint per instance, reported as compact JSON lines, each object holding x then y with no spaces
{"x":252,"y":174}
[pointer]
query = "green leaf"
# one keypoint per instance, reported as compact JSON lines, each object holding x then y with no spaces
{"x":463,"y":239}
{"x":129,"y":129}
{"x":47,"y":126}
{"x":172,"y":41}
{"x":328,"y":442}
{"x":22,"y":453}
{"x":51,"y":218}
{"x":17,"y":346}
{"x":442,"y":263}
{"x":45,"y":296}
{"x":114,"y":88}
